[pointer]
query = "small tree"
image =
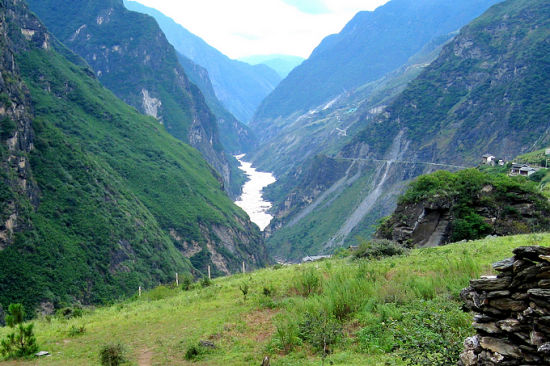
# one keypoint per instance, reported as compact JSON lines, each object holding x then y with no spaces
{"x":112,"y":355}
{"x":244,"y":287}
{"x":22,"y":342}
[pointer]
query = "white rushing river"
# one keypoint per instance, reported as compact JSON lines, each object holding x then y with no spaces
{"x":251,"y":199}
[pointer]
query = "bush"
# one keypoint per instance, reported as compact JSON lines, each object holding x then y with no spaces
{"x":195,"y":352}
{"x":320,"y":329}
{"x":186,"y":282}
{"x":205,"y":282}
{"x":287,"y":334}
{"x":378,"y":248}
{"x":69,"y":313}
{"x":307,"y":282}
{"x":244,"y":287}
{"x":76,"y":331}
{"x":112,"y":355}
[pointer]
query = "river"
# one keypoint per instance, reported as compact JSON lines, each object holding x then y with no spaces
{"x":251,"y":199}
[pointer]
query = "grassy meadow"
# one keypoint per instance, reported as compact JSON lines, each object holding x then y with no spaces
{"x":401,"y":310}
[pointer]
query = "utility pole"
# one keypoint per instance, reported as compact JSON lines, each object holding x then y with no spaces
{"x":209,"y":276}
{"x":177,"y":280}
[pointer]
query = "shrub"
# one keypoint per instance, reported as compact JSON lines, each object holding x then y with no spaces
{"x":205,"y":282}
{"x":244,"y":287}
{"x":287,"y":334}
{"x":320,"y":329}
{"x":307,"y":282}
{"x":76,"y":331}
{"x":186,"y":282}
{"x":16,"y":314}
{"x":378,"y":248}
{"x":195,"y":352}
{"x":69,"y":312}
{"x":112,"y":355}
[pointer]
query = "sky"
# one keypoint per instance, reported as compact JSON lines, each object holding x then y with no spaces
{"x":241,"y":28}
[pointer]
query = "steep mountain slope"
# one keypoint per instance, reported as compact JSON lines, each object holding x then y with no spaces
{"x":97,"y":199}
{"x":283,"y":64}
{"x":370,"y":45}
{"x":239,"y":86}
{"x":132,"y":57}
{"x":235,"y":136}
{"x":488,"y":91}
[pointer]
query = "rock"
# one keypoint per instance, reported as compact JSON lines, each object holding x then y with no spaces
{"x":508,"y":304}
{"x":500,"y":346}
{"x":544,"y":349}
{"x":494,"y":294}
{"x":532,"y":252}
{"x":539,"y":292}
{"x":544,"y":283}
{"x":504,"y":265}
{"x":536,"y":338}
{"x":490,"y":328}
{"x":468,"y":358}
{"x":482,"y":318}
{"x":509,"y":325}
{"x":491,"y":283}
{"x":207,"y":344}
{"x":42,"y":353}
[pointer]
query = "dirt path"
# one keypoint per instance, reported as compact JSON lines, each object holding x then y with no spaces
{"x":145,"y":357}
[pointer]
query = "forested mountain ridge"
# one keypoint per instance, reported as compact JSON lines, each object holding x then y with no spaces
{"x":488,"y":91}
{"x":97,"y":199}
{"x":131,"y":56}
{"x":239,"y":86}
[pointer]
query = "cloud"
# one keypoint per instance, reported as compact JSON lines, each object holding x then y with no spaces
{"x":241,"y":28}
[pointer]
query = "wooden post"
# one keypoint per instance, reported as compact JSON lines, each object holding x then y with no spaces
{"x":209,"y":276}
{"x":177,"y":280}
{"x":139,"y":291}
{"x":244,"y":271}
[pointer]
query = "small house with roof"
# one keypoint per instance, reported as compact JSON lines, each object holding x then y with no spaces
{"x":522,"y":169}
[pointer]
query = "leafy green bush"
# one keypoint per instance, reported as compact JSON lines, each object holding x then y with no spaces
{"x":112,"y":355}
{"x":320,"y":329}
{"x":69,"y":312}
{"x":195,"y":352}
{"x":186,"y":282}
{"x":378,"y":248}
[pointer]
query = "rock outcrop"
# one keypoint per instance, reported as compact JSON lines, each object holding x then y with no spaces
{"x":444,"y":207}
{"x":512,"y":312}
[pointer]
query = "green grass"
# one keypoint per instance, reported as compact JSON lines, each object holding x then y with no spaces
{"x":385,"y":312}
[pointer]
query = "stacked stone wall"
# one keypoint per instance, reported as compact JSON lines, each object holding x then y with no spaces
{"x":512,"y":312}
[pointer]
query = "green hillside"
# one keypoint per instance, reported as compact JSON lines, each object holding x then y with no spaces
{"x":400,"y":310}
{"x":131,"y":56}
{"x":98,"y":199}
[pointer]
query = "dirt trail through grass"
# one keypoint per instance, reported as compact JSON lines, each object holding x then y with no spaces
{"x":145,"y":357}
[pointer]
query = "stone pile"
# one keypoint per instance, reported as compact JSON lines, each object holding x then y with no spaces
{"x":512,"y":312}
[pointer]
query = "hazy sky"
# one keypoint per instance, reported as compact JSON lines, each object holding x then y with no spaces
{"x":241,"y":28}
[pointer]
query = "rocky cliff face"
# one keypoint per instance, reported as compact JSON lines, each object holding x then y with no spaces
{"x":131,"y":56}
{"x":17,"y":186}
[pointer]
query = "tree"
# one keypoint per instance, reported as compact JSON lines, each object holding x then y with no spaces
{"x":21,"y":342}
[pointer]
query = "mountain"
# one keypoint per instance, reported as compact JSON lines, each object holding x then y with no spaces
{"x":132,"y":57}
{"x":235,"y":136}
{"x":488,"y":91}
{"x":97,"y":199}
{"x":239,"y":86}
{"x":283,"y":64}
{"x":371,"y":45}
